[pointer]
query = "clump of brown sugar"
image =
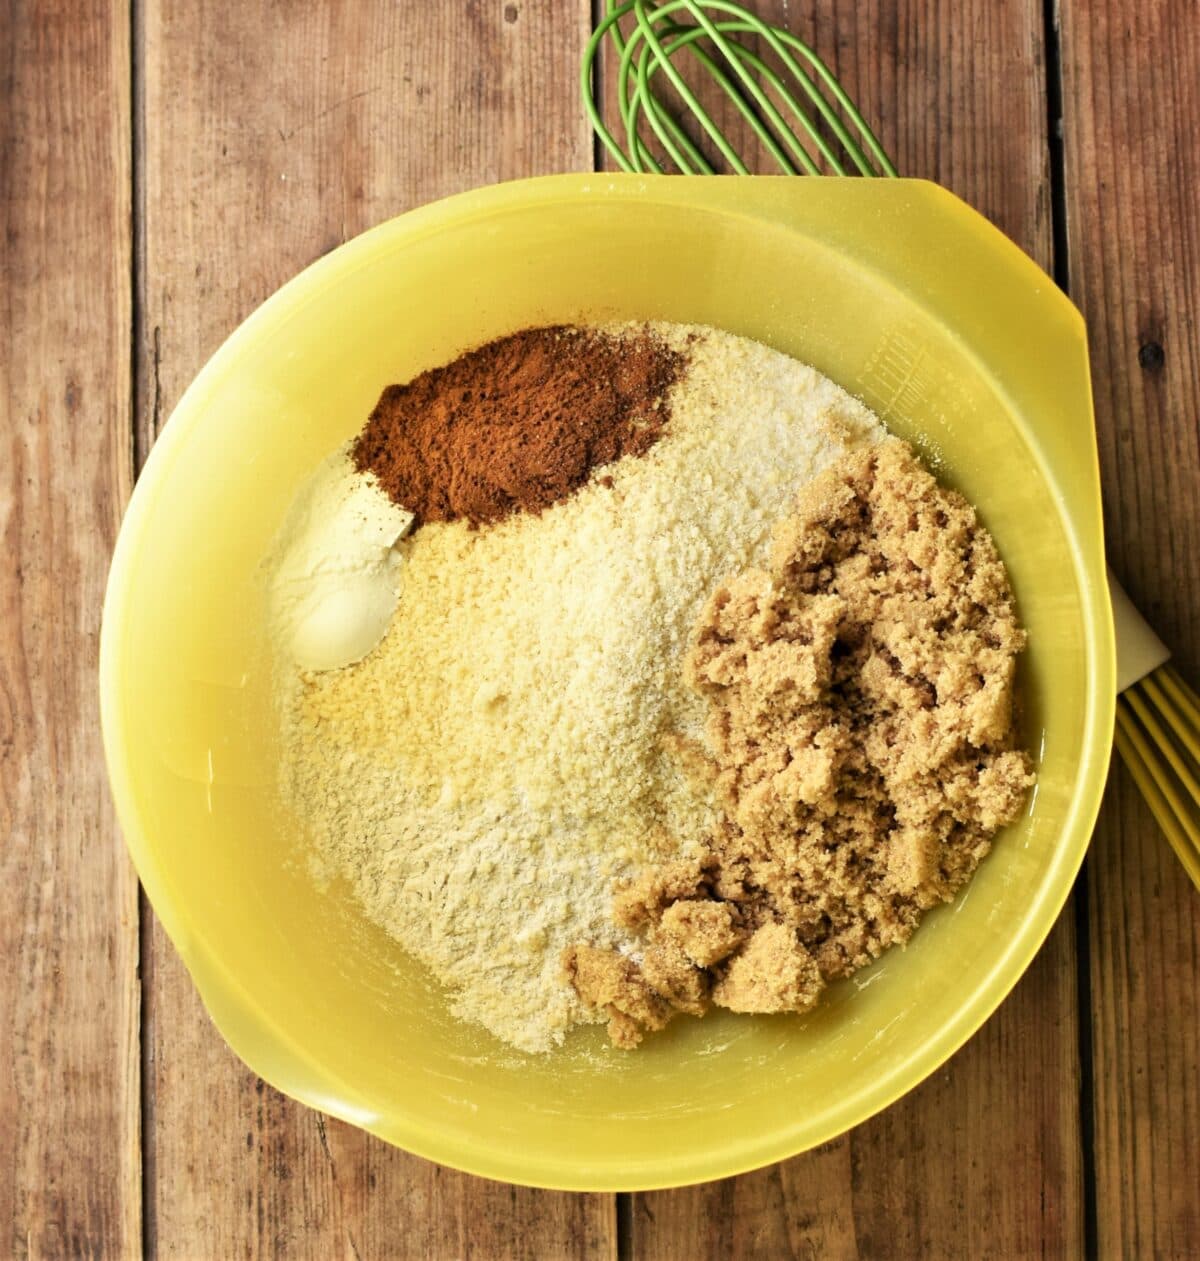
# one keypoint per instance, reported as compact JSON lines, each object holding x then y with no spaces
{"x":860,"y":743}
{"x":518,"y":424}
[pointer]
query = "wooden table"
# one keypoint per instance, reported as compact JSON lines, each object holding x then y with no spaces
{"x":163,"y":168}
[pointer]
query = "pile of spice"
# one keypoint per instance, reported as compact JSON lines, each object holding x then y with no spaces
{"x":860,"y":742}
{"x":507,"y":757}
{"x":518,"y":424}
{"x":511,"y":427}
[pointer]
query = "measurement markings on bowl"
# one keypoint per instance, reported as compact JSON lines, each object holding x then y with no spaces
{"x":892,"y":381}
{"x":903,"y":381}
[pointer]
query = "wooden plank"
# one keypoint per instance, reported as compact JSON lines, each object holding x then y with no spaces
{"x":1132,"y":89}
{"x":272,"y":134}
{"x":983,"y":1159}
{"x":69,"y":1084}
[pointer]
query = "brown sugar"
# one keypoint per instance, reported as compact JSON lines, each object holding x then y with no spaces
{"x":620,"y":987}
{"x":773,"y":973}
{"x":860,"y":743}
{"x":705,"y":932}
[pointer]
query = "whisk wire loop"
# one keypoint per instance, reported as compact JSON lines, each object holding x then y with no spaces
{"x":806,"y":90}
{"x":716,"y":32}
{"x":689,"y":37}
{"x":654,"y":47}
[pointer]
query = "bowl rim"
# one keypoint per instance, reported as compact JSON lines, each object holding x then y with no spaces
{"x":277,"y":1057}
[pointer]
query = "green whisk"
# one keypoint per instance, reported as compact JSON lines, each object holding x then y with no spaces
{"x":790,"y":119}
{"x":807,"y":125}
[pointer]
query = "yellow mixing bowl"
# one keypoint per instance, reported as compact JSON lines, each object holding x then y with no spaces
{"x":897,"y":291}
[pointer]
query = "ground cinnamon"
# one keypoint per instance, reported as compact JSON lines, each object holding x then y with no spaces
{"x":517,"y":424}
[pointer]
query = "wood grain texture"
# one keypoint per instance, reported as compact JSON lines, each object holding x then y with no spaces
{"x":1132,"y":85}
{"x":272,"y":134}
{"x":69,"y":1168}
{"x":269,"y":134}
{"x":984,"y":1159}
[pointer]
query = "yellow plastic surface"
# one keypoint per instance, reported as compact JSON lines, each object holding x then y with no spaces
{"x":896,"y":290}
{"x":1139,"y":650}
